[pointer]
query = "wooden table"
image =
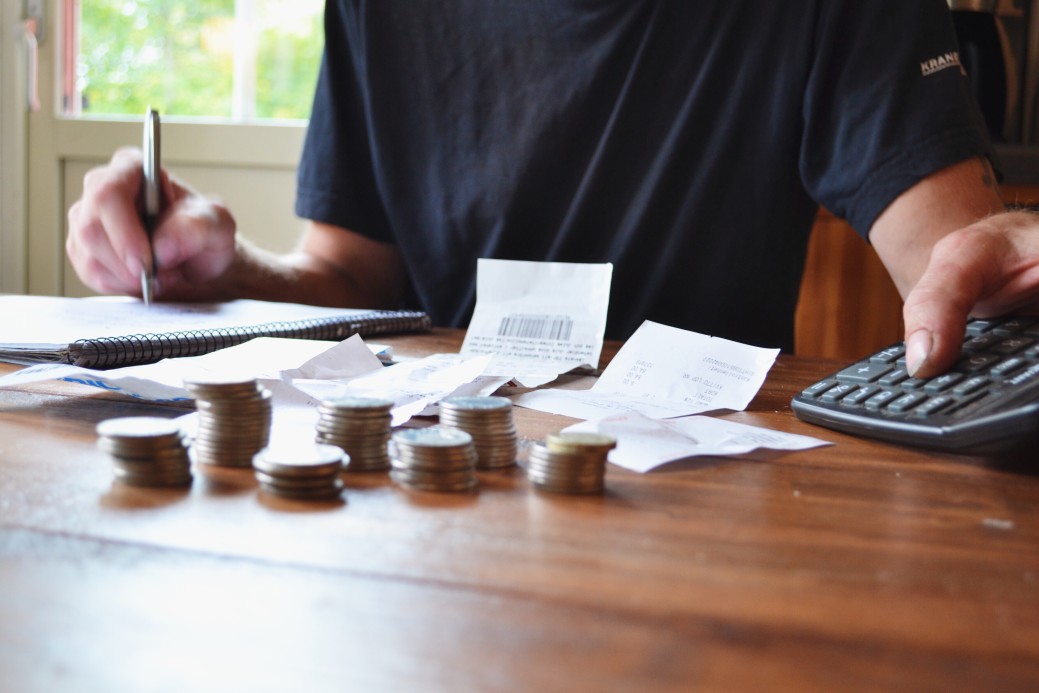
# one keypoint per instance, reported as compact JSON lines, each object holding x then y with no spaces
{"x":857,"y":566}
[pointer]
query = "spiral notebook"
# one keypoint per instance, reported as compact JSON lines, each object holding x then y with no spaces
{"x":108,"y":332}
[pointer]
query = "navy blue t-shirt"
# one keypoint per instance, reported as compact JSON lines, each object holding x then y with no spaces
{"x":687,"y":142}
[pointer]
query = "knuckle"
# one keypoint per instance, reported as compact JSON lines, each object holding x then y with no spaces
{"x":109,"y":192}
{"x":90,"y":234}
{"x":93,"y":177}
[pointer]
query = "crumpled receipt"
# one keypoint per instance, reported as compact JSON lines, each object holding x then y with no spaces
{"x":644,"y":443}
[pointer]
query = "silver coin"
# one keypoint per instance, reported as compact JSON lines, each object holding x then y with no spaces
{"x":569,"y":489}
{"x":297,"y":483}
{"x":555,"y":475}
{"x":220,"y":382}
{"x":330,"y":492}
{"x":403,"y":479}
{"x":476,"y":402}
{"x":434,"y":436}
{"x":131,"y":427}
{"x":436,"y":466}
{"x":168,"y":461}
{"x":158,"y":479}
{"x":302,"y":461}
{"x":580,"y":442}
{"x":573,"y":456}
{"x":358,"y":402}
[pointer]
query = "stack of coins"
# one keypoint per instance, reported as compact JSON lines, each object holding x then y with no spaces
{"x":146,"y":450}
{"x":570,"y":462}
{"x":234,"y":420}
{"x":489,"y":421}
{"x":433,"y":459}
{"x":305,"y":473}
{"x":360,"y":426}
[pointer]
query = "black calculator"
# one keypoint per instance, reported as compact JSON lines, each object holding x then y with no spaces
{"x":987,"y":403}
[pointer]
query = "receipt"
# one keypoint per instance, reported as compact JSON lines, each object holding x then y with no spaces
{"x":664,"y":372}
{"x":538,"y":319}
{"x":644,"y":443}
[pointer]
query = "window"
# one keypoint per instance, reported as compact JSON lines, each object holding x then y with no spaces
{"x":242,"y":60}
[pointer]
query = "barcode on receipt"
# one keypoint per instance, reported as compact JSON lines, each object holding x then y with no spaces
{"x":551,"y":327}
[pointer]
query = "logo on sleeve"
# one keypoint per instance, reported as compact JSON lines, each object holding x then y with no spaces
{"x":946,"y":60}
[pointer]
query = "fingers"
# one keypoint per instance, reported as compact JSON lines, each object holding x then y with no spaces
{"x":195,"y":243}
{"x":92,"y":255}
{"x":107,"y":244}
{"x":987,"y":269}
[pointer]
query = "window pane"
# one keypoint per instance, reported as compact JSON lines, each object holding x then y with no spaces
{"x":183,"y":57}
{"x":288,"y":54}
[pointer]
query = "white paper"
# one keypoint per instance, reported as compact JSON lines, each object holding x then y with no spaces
{"x":538,"y":319}
{"x":347,"y":359}
{"x":125,"y":382}
{"x":412,"y":385}
{"x":665,"y":372}
{"x":481,"y":386}
{"x":644,"y":443}
{"x":262,"y":358}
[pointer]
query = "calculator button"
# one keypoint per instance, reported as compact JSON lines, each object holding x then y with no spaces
{"x":1025,"y":378}
{"x":976,"y":327}
{"x":864,"y":372}
{"x":895,"y":377}
{"x":889,"y":355}
{"x":971,"y":385}
{"x":982,"y":342}
{"x":1012,"y":345}
{"x":856,"y":398}
{"x":912,"y":383}
{"x":976,"y":362}
{"x":1012,"y":326}
{"x":906,"y":402}
{"x":967,"y":401}
{"x":836,"y":392}
{"x":934,"y":405}
{"x":878,"y":400}
{"x":1007,"y":367}
{"x":943,"y":382}
{"x":813,"y":391}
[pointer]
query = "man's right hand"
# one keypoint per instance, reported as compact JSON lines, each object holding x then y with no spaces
{"x":194,"y":242}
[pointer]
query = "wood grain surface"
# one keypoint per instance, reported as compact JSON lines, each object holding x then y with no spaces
{"x":857,"y":566}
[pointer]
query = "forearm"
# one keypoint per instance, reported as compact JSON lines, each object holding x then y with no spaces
{"x":331,"y":266}
{"x":297,"y":277}
{"x":904,"y":236}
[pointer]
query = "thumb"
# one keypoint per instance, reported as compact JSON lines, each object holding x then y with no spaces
{"x":960,"y":270}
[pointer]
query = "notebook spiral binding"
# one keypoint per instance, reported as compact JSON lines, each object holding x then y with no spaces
{"x":111,"y":352}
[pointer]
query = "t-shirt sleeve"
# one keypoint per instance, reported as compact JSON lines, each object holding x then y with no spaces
{"x":887,"y":104}
{"x":335,"y":180}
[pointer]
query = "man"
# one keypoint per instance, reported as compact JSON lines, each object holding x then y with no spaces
{"x":689,"y":143}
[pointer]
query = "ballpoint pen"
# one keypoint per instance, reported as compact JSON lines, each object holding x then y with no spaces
{"x":152,"y":198}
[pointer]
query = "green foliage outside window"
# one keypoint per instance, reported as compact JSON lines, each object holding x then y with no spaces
{"x":178,"y":56}
{"x":286,"y":70}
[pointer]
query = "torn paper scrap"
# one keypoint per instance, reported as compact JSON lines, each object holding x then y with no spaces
{"x":644,"y":443}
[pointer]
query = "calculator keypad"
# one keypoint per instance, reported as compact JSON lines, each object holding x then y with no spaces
{"x":999,"y":357}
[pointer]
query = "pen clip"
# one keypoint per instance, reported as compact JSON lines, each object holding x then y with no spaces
{"x":151,"y":147}
{"x":152,"y":197}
